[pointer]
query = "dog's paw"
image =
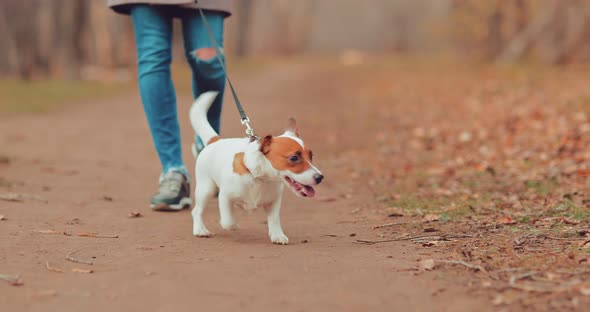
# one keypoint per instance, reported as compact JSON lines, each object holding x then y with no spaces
{"x":279,"y":239}
{"x":229,"y":225}
{"x":201,"y":231}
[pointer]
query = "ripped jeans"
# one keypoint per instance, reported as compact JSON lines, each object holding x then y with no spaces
{"x":153,"y":37}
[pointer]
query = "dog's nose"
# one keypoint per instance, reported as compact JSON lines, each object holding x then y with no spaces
{"x":318,"y":177}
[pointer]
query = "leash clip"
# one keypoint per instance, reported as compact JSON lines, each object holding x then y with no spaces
{"x":249,"y":130}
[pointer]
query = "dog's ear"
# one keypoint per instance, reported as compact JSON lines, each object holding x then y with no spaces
{"x":265,"y":144}
{"x":292,"y":127}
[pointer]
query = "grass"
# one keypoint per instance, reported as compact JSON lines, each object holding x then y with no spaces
{"x":41,"y":96}
{"x":44,"y":95}
{"x":541,"y":187}
{"x":446,"y":207}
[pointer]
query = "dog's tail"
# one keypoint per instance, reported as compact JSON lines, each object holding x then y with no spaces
{"x":198,"y":116}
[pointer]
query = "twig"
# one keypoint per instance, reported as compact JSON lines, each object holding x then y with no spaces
{"x":50,"y":268}
{"x":351,"y":221}
{"x":84,"y":234}
{"x":416,"y":238}
{"x":48,"y":232}
{"x":70,"y":258}
{"x":12,"y":280}
{"x":388,"y":225}
{"x":16,"y":197}
{"x":97,"y":235}
{"x":463,"y":263}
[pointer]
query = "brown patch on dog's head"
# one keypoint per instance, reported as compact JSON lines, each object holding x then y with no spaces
{"x":285,"y":153}
{"x":213,"y":140}
{"x":238,"y":164}
{"x":265,"y":144}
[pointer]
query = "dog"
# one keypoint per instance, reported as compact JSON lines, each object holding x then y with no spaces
{"x":248,"y":173}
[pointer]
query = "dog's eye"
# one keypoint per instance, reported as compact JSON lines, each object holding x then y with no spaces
{"x":294,"y":158}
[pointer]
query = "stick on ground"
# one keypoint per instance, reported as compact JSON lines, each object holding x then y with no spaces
{"x":388,"y":225}
{"x":50,"y":268}
{"x":70,"y":258}
{"x":419,"y":237}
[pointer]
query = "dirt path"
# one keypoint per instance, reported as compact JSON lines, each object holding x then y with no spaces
{"x":94,"y":163}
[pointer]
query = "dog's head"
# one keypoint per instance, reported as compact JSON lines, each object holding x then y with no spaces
{"x":291,"y":161}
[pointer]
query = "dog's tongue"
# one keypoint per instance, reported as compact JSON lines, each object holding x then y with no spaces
{"x":308,"y":191}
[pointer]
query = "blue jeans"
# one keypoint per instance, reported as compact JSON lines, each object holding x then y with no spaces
{"x":153,"y":38}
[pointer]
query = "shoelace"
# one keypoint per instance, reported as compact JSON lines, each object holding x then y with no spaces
{"x":170,"y":185}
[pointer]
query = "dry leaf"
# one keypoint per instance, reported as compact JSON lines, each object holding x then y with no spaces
{"x":134,"y":214}
{"x":430,"y":218}
{"x":85,"y":271}
{"x":427,"y":264}
{"x":507,"y":220}
{"x":429,"y":244}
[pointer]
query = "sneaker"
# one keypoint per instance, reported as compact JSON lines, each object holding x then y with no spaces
{"x":174,"y":193}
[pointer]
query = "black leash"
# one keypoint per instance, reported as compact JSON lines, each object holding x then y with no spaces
{"x":244,"y":118}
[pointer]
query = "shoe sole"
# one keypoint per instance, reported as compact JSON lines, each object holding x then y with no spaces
{"x":184,"y":203}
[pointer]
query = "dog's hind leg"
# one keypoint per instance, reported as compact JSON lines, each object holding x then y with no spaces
{"x":203,"y":192}
{"x":226,"y":218}
{"x":273,"y":218}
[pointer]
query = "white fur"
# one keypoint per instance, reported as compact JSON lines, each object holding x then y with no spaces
{"x":261,"y":188}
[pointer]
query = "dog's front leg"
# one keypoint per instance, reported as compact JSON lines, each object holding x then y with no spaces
{"x":273,"y":218}
{"x":203,"y":192}
{"x":226,"y":218}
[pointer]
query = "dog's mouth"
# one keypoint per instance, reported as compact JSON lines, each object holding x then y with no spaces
{"x":300,"y":189}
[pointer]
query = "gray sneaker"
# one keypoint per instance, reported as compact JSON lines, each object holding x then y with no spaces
{"x":174,"y":193}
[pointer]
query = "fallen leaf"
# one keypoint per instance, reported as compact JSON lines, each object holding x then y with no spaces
{"x":570,"y":222}
{"x":429,"y":244}
{"x":427,"y":264}
{"x":12,"y":280}
{"x":134,"y":214}
{"x":430,"y":218}
{"x":571,"y":255}
{"x":429,"y":230}
{"x":85,"y":271}
{"x":507,"y":220}
{"x":74,"y":221}
{"x":498,"y":300}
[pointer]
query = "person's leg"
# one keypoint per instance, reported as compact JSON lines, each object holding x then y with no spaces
{"x":153,"y":36}
{"x":207,"y":72}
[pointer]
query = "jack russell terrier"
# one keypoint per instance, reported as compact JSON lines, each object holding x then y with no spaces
{"x":248,"y":174}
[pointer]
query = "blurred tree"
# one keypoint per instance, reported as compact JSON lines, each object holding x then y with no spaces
{"x":244,"y":16}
